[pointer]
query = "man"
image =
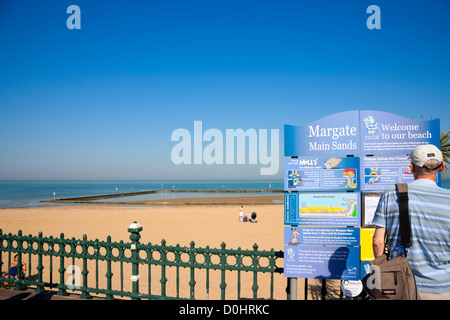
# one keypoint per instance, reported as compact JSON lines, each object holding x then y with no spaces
{"x":429,"y":211}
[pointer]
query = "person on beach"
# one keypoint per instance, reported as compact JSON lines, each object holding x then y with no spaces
{"x":241,"y":214}
{"x":429,"y":211}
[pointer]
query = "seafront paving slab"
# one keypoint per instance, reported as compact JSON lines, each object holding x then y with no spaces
{"x":11,"y":294}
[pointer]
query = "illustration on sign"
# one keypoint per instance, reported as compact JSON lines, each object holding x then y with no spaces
{"x":320,"y":209}
{"x":321,"y":173}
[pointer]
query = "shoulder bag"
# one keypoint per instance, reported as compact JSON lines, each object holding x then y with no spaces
{"x":392,"y":279}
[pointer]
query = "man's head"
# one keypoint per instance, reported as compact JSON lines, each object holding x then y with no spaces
{"x":427,"y":161}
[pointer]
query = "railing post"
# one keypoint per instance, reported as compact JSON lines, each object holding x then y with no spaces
{"x":255,"y":273}
{"x":134,"y":229}
{"x":192,"y":262}
{"x":84,"y":289}
{"x":62,"y":287}
{"x":19,"y":285}
{"x":40,"y":286}
{"x":109,"y":274}
{"x":163,"y":260}
{"x":223,"y":260}
{"x":324,"y":291}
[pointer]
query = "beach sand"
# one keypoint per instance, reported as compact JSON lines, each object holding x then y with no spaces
{"x":206,"y":225}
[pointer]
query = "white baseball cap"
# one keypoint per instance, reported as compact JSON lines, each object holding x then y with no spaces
{"x":421,"y":154}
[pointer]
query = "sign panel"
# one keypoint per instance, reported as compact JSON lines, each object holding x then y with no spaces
{"x":337,"y":134}
{"x":321,"y":173}
{"x":381,"y":172}
{"x":352,"y":288}
{"x":365,"y":132}
{"x":322,"y":209}
{"x":366,"y":244}
{"x":322,"y":262}
{"x":369,"y":203}
{"x":321,"y":236}
{"x":387,"y":133}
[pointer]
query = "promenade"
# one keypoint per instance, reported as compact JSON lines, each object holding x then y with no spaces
{"x":10,"y":294}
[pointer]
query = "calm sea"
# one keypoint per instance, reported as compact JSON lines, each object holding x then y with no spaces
{"x":25,"y":194}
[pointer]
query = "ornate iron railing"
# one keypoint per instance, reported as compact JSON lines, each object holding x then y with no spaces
{"x":127,"y":270}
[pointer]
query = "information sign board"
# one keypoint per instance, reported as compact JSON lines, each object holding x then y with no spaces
{"x":331,"y":160}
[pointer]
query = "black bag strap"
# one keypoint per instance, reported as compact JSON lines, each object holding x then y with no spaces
{"x":405,"y":226}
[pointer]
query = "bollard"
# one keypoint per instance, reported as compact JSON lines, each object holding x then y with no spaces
{"x":134,"y":229}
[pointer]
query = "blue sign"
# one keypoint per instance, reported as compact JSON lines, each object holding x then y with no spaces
{"x":322,"y":262}
{"x":365,"y":132}
{"x":337,"y":134}
{"x":321,"y":236}
{"x":381,"y":172}
{"x":349,"y":151}
{"x":322,"y":209}
{"x":321,"y":173}
{"x":385,"y":133}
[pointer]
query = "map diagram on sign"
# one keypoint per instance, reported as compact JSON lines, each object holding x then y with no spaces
{"x":328,"y":205}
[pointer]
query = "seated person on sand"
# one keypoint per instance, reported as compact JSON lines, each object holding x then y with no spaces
{"x":253,"y":218}
{"x":13,"y":269}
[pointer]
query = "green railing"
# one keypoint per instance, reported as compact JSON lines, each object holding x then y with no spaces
{"x":111,"y":270}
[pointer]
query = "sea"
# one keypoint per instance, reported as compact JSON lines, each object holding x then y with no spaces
{"x":29,"y":193}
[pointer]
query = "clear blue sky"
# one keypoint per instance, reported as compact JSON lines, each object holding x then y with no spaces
{"x":102,"y":102}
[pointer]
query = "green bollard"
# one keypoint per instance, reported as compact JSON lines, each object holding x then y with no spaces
{"x":134,"y":229}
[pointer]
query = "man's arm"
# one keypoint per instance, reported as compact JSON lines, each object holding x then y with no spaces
{"x":378,"y":243}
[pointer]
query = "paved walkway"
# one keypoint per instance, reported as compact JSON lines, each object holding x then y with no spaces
{"x":10,"y":294}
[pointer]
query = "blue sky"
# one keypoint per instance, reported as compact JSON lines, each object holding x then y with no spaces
{"x":102,"y":102}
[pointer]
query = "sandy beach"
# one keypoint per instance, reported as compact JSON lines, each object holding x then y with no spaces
{"x":206,"y":225}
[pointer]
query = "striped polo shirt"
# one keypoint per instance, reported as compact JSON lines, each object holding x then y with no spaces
{"x":429,"y":211}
